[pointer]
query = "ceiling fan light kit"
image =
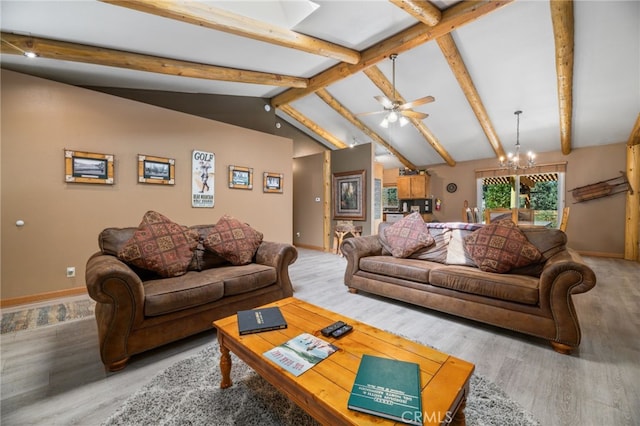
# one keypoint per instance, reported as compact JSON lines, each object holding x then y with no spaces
{"x":397,"y":112}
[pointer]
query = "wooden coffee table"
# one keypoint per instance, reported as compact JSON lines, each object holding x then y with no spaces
{"x":323,"y":390}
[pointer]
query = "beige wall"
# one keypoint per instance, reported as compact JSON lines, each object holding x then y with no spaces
{"x":595,"y":226}
{"x":41,"y":118}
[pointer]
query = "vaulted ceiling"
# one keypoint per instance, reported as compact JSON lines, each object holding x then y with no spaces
{"x":573,"y":68}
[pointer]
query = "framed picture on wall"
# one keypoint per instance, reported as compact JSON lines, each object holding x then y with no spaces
{"x":349,"y":195}
{"x":157,"y":170}
{"x":272,"y":182}
{"x":240,"y":177}
{"x":88,"y":167}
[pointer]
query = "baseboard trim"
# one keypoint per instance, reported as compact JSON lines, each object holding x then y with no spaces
{"x":310,"y":247}
{"x":601,"y":254}
{"x":24,"y":300}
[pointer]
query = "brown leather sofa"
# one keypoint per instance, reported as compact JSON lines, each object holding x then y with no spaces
{"x":536,"y":300}
{"x":137,"y":310}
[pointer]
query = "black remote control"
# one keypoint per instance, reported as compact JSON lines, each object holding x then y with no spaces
{"x":326,"y":332}
{"x":341,"y":331}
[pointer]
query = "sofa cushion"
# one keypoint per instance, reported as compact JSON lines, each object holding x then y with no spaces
{"x":500,"y":246}
{"x":202,"y":258}
{"x":188,"y":291}
{"x":160,"y":245}
{"x":408,"y":269}
{"x":233,"y":240}
{"x":408,"y":235}
{"x":512,"y":288}
{"x":456,"y":253}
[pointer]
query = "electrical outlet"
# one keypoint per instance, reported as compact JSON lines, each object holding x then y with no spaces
{"x":71,"y":271}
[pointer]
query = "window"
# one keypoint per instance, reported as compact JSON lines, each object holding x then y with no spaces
{"x":538,"y":195}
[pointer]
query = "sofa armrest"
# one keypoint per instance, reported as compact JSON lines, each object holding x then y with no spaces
{"x":279,"y":256}
{"x":356,"y":248}
{"x":565,"y":274}
{"x":119,"y":294}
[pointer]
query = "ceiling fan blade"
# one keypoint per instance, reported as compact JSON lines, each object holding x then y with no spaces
{"x":417,"y":102}
{"x":386,"y":102}
{"x":370,"y":113}
{"x":414,"y":114}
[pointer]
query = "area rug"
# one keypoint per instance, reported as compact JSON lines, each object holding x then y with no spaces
{"x":46,"y":315}
{"x":188,"y":393}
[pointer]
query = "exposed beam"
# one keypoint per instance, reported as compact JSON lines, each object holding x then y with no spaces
{"x":422,"y":10}
{"x":562,"y":19}
{"x":343,"y":111}
{"x":452,"y":18}
{"x":313,"y":126}
{"x":201,"y":14}
{"x":457,"y":65}
{"x":379,"y":79}
{"x":53,"y":49}
{"x":632,"y":209}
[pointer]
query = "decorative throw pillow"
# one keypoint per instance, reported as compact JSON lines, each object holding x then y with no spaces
{"x":501,"y":246}
{"x":233,"y":240}
{"x":160,"y":245}
{"x":408,"y":235}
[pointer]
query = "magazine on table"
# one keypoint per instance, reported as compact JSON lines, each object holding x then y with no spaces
{"x":301,"y":353}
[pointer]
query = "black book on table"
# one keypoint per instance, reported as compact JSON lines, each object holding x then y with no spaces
{"x":262,"y":319}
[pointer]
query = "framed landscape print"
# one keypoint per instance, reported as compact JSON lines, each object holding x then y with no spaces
{"x":88,"y":167}
{"x":349,"y":195}
{"x":156,"y":170}
{"x":272,"y":182}
{"x":240,"y":177}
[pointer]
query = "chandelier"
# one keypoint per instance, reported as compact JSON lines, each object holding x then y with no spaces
{"x":513,"y":160}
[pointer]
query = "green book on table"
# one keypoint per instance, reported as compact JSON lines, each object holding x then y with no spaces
{"x":388,"y":388}
{"x":262,"y":319}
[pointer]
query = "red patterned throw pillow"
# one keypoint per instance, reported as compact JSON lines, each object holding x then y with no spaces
{"x":500,"y":247}
{"x":160,"y":245}
{"x":408,"y":235}
{"x":233,"y":240}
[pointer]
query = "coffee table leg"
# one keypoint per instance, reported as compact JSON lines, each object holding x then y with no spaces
{"x":459,"y":418}
{"x":225,"y":366}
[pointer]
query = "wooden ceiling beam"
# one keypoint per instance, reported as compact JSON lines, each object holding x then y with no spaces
{"x":563,"y":24}
{"x":422,"y":10}
{"x":379,"y":79}
{"x":452,"y":18}
{"x":343,"y":111}
{"x":53,"y":49}
{"x":457,"y":65}
{"x":313,"y":126}
{"x":203,"y":15}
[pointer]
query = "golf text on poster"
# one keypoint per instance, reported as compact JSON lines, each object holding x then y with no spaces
{"x":202,"y":176}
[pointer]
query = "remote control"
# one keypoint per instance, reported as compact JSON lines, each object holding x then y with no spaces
{"x":326,"y":332}
{"x":342,"y":331}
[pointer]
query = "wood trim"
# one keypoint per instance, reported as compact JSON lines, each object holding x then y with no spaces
{"x":452,"y":18}
{"x":600,"y":254}
{"x":311,"y":125}
{"x":34,"y":298}
{"x":203,"y":15}
{"x":460,"y":71}
{"x":54,"y":49}
{"x":422,"y":10}
{"x":632,"y":205}
{"x":562,"y":19}
{"x":343,"y":111}
{"x":326,"y":206}
{"x":537,"y":169}
{"x":379,"y":79}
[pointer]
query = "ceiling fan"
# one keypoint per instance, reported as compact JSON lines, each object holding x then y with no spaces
{"x":396,"y":111}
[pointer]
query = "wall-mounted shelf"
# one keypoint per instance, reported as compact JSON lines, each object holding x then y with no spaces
{"x":601,"y":189}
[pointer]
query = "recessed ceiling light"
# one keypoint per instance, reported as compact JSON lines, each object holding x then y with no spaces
{"x":31,"y":55}
{"x":267,"y":107}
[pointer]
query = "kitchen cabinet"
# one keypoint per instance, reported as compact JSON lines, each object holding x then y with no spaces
{"x":413,"y":187}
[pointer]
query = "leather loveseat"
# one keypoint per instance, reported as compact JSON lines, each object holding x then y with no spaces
{"x":137,"y":310}
{"x":535,"y":299}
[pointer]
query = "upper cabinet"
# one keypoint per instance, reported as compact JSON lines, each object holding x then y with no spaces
{"x":413,"y":187}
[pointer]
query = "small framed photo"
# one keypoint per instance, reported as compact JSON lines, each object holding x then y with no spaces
{"x":88,"y":167}
{"x":240,"y":177}
{"x":272,"y":182}
{"x":157,"y":170}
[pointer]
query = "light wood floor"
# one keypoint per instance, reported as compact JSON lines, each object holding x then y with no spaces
{"x":53,"y":375}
